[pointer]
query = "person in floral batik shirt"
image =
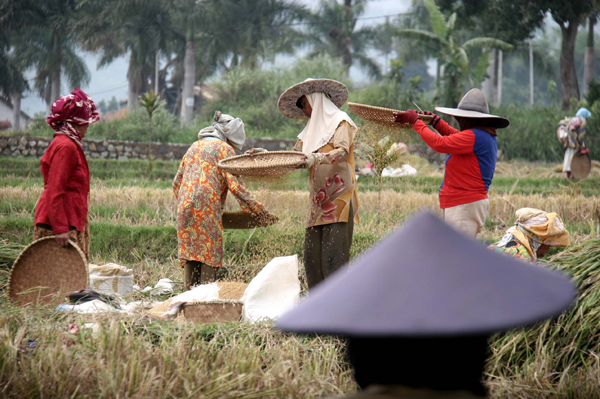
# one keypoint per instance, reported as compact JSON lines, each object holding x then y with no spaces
{"x":328,"y":142}
{"x":201,"y":189}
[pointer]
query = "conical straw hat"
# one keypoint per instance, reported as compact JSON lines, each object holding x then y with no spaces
{"x":474,"y":105}
{"x":337,"y":91}
{"x":428,"y":280}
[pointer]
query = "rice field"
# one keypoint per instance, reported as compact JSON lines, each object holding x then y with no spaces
{"x":133,"y":214}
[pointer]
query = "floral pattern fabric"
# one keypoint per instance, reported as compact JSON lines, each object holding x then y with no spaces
{"x":575,"y":132}
{"x":515,"y":249}
{"x":201,"y":189}
{"x":333,"y":182}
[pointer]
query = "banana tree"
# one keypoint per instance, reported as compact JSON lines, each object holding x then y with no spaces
{"x":151,"y":102}
{"x":452,"y":56}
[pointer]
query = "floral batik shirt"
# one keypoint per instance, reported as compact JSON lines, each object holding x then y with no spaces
{"x":514,"y":248}
{"x":333,"y":183}
{"x":201,"y":189}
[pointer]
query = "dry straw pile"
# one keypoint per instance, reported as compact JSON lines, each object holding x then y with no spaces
{"x":556,"y":356}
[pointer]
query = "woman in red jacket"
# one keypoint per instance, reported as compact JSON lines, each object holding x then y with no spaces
{"x":471,"y":161}
{"x":62,"y":210}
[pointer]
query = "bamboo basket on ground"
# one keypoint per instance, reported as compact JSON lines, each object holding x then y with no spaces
{"x":222,"y":310}
{"x":263,"y":164}
{"x":381,"y":115}
{"x":45,"y":272}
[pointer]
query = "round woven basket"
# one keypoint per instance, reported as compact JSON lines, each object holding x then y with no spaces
{"x":246,"y":220}
{"x":263,"y":163}
{"x":45,"y":272}
{"x":220,"y":311}
{"x":581,"y":166}
{"x":382,"y":116}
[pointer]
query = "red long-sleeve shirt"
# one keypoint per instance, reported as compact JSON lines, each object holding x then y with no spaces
{"x":469,"y":167}
{"x":66,"y":186}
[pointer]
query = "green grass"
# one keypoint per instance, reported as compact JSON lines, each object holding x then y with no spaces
{"x":25,"y":172}
{"x":133,"y":218}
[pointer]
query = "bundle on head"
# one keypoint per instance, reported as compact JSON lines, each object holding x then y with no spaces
{"x":569,"y":344}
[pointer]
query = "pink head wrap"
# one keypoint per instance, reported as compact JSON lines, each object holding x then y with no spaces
{"x":76,"y":108}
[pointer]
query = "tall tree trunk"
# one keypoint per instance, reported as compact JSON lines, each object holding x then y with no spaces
{"x":156,"y":72}
{"x":16,"y":101}
{"x":189,"y":77}
{"x":568,"y":78}
{"x":48,"y":97}
{"x":588,"y":60}
{"x":490,"y":85}
{"x":346,"y":38}
{"x":500,"y":78}
{"x":132,"y":98}
{"x":56,"y":67}
{"x":530,"y":72}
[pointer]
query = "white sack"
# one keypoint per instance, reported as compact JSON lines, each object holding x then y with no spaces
{"x":200,"y":293}
{"x":273,"y":291}
{"x":95,"y":306}
{"x":164,"y":286}
{"x":405,"y":170}
{"x":111,"y":279}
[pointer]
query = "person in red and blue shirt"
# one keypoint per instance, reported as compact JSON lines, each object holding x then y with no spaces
{"x":471,"y":161}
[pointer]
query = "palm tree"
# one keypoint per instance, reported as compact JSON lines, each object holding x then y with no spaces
{"x":333,"y":32}
{"x":42,"y":35}
{"x":116,"y":27}
{"x":452,"y":57}
{"x":251,"y":31}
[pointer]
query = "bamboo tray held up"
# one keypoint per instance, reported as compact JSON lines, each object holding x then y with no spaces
{"x":263,"y":163}
{"x":246,"y":220}
{"x":382,"y":116}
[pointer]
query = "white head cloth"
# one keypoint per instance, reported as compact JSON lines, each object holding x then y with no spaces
{"x":323,"y":122}
{"x":226,"y":128}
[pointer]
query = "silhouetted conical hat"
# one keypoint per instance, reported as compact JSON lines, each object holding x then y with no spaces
{"x":426,"y":279}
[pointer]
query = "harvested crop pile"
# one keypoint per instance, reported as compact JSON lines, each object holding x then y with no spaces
{"x":570,"y":342}
{"x":231,"y":290}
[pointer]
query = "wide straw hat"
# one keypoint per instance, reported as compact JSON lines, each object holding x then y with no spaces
{"x":45,"y":272}
{"x":337,"y":91}
{"x":428,"y":280}
{"x":475,"y":105}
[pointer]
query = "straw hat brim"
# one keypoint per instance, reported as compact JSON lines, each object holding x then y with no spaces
{"x":338,"y":92}
{"x":44,"y":272}
{"x":499,"y":121}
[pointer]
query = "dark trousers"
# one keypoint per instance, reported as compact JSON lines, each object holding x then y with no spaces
{"x":196,"y":273}
{"x":326,"y":249}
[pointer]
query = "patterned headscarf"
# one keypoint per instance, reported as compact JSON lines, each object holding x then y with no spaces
{"x":535,"y":227}
{"x":76,"y":108}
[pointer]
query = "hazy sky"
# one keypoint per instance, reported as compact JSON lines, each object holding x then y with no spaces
{"x":112,"y":79}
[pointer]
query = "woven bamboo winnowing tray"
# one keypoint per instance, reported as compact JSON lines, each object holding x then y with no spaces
{"x":581,"y":165}
{"x":382,"y":116}
{"x":246,"y":220}
{"x":222,"y":310}
{"x":263,"y":163}
{"x":45,"y":272}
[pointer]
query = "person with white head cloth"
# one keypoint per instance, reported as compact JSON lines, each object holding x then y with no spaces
{"x":328,"y":142}
{"x":201,"y":189}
